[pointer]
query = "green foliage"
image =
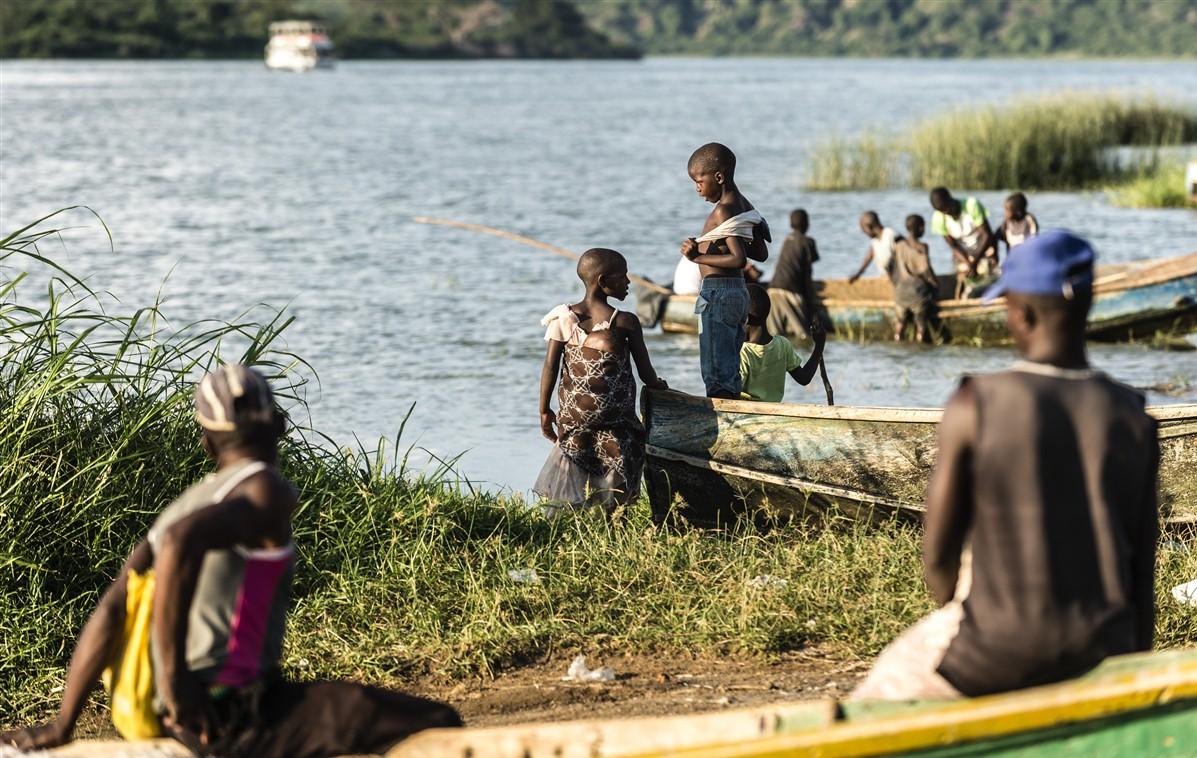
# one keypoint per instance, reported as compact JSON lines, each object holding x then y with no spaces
{"x":359,"y":28}
{"x":1050,"y":142}
{"x":906,"y":28}
{"x":607,"y":28}
{"x":1159,"y":186}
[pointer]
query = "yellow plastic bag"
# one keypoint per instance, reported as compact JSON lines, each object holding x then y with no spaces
{"x":130,"y":677}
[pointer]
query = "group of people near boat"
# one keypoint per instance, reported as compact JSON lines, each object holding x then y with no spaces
{"x":1040,"y":530}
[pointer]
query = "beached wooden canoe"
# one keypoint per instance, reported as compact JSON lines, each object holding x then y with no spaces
{"x":714,"y":461}
{"x":1144,"y":301}
{"x":1137,"y":705}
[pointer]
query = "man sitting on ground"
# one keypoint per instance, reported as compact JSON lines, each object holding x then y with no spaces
{"x":1041,"y":525}
{"x":223,"y":560}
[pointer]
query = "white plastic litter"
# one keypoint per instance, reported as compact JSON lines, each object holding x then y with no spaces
{"x":579,"y":673}
{"x":767,"y":580}
{"x":524,"y":576}
{"x":1186,"y":594}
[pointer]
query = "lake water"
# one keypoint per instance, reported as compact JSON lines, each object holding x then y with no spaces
{"x":244,"y":186}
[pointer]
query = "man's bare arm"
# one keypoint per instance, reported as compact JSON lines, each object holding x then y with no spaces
{"x":93,"y":653}
{"x":949,"y":495}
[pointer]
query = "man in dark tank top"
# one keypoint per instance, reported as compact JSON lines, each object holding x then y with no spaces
{"x":1041,"y":525}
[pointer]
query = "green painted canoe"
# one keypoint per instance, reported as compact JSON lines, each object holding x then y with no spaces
{"x":1143,"y":706}
{"x":1146,"y":301}
{"x":714,"y":461}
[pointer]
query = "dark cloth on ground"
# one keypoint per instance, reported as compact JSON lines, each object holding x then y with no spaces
{"x":315,"y":719}
{"x":1063,"y":528}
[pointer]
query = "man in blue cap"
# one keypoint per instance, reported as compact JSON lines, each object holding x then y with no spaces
{"x":1041,"y":525}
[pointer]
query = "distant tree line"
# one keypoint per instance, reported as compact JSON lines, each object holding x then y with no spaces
{"x":606,"y":28}
{"x":359,"y":28}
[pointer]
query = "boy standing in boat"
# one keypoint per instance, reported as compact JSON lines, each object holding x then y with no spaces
{"x":766,"y":358}
{"x":1019,"y":225}
{"x":792,"y":290}
{"x":222,"y":560}
{"x":733,"y":233}
{"x":1041,"y":524}
{"x":598,"y":451}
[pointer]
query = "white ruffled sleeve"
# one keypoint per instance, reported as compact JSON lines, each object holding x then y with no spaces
{"x":559,"y":323}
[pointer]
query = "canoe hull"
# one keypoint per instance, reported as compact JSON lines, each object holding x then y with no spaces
{"x":1151,"y":301}
{"x":714,"y":462}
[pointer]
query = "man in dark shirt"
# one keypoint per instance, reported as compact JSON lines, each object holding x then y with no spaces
{"x":1041,"y":525}
{"x":792,"y":291}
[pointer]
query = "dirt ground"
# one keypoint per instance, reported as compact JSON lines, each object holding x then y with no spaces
{"x":644,"y":685}
{"x":649,"y":686}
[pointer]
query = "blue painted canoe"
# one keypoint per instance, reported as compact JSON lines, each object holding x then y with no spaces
{"x":1145,"y":301}
{"x":716,"y":461}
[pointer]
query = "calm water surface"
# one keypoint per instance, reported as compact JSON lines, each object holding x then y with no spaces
{"x":237,"y":186}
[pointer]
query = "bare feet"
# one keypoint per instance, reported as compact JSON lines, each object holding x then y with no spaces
{"x":35,"y":737}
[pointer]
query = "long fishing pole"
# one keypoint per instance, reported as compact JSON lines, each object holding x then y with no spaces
{"x":529,"y":241}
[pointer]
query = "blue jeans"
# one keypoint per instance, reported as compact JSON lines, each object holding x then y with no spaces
{"x":722,"y":307}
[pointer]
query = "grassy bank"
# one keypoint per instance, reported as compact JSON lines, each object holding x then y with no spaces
{"x":1056,"y":142}
{"x":1161,"y":186}
{"x":400,"y":573}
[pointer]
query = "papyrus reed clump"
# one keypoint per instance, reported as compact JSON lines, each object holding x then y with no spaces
{"x":1051,"y":142}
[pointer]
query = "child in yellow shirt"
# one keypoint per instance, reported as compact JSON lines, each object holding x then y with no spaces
{"x":765,"y":359}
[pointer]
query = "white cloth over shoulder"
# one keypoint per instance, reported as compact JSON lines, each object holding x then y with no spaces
{"x":736,"y":226}
{"x":562,"y":326}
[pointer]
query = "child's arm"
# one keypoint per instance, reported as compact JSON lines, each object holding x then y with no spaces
{"x":863,"y":266}
{"x":804,"y":373}
{"x":639,"y":351}
{"x":548,"y":380}
{"x":735,"y":258}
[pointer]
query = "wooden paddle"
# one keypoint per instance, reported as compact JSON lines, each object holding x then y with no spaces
{"x":554,"y":249}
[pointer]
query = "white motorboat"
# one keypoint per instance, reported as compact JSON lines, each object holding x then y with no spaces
{"x":299,"y":46}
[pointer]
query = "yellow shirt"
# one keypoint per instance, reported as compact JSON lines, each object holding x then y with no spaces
{"x":763,"y":369}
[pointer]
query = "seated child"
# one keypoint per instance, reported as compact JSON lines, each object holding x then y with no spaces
{"x":733,"y":233}
{"x":915,"y":285}
{"x":881,"y":246}
{"x":792,"y":289}
{"x":599,"y":452}
{"x":1019,"y":225}
{"x":766,"y":358}
{"x":222,"y":561}
{"x":1039,"y":539}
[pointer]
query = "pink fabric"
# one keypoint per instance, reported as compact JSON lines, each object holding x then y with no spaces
{"x":255,"y":600}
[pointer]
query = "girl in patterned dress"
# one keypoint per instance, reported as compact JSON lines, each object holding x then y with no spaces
{"x":599,"y":452}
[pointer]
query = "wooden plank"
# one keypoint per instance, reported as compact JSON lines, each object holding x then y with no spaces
{"x":1128,"y":695}
{"x":609,"y":738}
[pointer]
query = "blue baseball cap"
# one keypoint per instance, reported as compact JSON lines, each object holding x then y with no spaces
{"x":1057,"y":262}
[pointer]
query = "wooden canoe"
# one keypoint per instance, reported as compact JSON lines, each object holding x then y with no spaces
{"x":1144,"y":301}
{"x":715,"y":461}
{"x":1141,"y":705}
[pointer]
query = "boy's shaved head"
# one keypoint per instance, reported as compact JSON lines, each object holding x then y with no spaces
{"x":870,"y":218}
{"x":599,"y":261}
{"x":713,"y":157}
{"x":799,"y":220}
{"x":940,"y":197}
{"x":1018,"y":202}
{"x":915,"y":224}
{"x":758,"y":305}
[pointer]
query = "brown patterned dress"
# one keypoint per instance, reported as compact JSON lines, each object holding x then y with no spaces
{"x":599,"y":455}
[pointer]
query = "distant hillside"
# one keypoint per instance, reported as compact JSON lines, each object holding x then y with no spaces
{"x":606,"y":28}
{"x":359,"y":28}
{"x":916,"y":28}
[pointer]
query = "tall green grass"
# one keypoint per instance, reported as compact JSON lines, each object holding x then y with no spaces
{"x":402,"y":573}
{"x":1043,"y":143}
{"x":1161,"y":186}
